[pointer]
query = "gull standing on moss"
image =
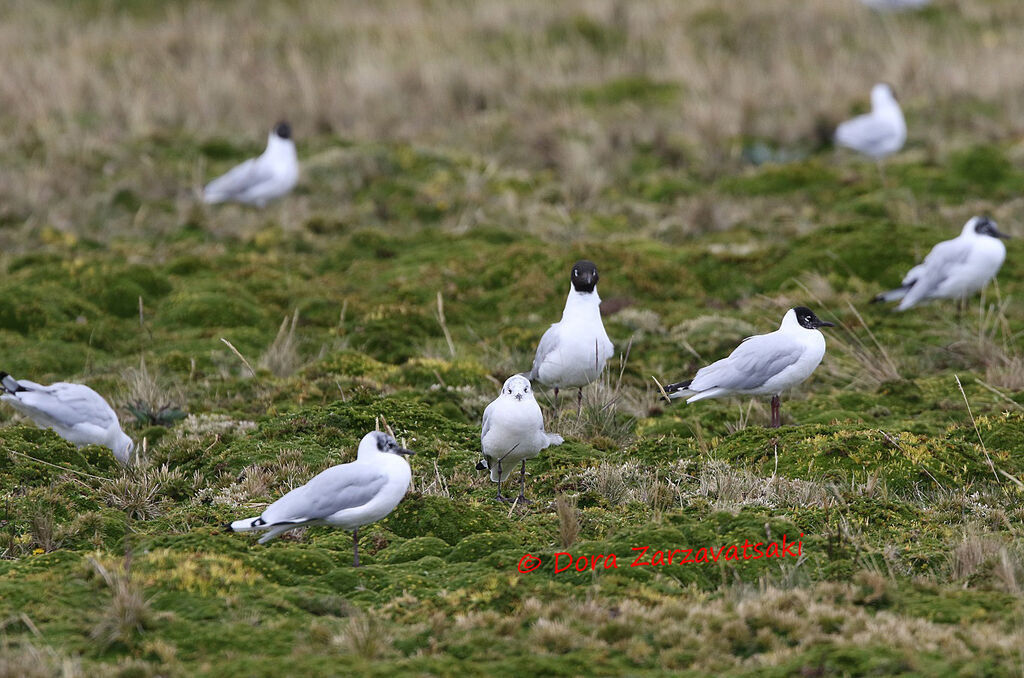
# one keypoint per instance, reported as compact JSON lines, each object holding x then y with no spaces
{"x":513,"y":430}
{"x":765,"y":364}
{"x":573,"y":352}
{"x":954,"y":269}
{"x":346,"y":496}
{"x":75,"y":412}
{"x":257,"y":181}
{"x":877,"y":134}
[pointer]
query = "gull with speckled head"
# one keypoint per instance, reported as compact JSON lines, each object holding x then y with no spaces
{"x":346,"y":496}
{"x":257,"y":181}
{"x":765,"y":364}
{"x":75,"y":412}
{"x":954,"y":269}
{"x":573,"y":352}
{"x":877,"y":134}
{"x":513,"y":431}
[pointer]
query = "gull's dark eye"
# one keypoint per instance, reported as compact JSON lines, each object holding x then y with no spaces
{"x":575,"y":271}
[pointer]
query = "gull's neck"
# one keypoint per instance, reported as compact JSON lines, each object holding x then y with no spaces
{"x":278,"y":147}
{"x":790,"y":324}
{"x":889,"y":108}
{"x":582,"y":305}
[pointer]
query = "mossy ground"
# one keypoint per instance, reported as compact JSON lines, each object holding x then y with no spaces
{"x":905,"y":488}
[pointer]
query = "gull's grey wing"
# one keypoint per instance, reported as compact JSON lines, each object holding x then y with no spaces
{"x":64,"y":404}
{"x":755,"y":361}
{"x":238,"y":180}
{"x":548,"y":344}
{"x":486,"y":423}
{"x":926,"y":277}
{"x":338,"y":488}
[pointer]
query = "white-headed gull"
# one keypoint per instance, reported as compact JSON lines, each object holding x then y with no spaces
{"x":513,"y":431}
{"x":75,"y":412}
{"x":879,"y":133}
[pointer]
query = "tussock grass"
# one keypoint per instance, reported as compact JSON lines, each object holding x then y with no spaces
{"x":568,"y":520}
{"x":31,"y":660}
{"x":150,"y":397}
{"x":282,"y":356}
{"x":128,"y":612}
{"x":365,"y":636}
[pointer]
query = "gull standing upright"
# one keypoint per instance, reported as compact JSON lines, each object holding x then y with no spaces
{"x":877,"y":134}
{"x":257,"y":181}
{"x":954,"y":269}
{"x":347,"y":496}
{"x":573,"y":352}
{"x":513,"y":430}
{"x":765,"y":364}
{"x":75,"y":412}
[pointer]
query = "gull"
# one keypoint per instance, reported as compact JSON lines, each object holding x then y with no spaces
{"x":879,"y":133}
{"x":513,"y":430}
{"x":765,"y":364}
{"x":954,"y":269}
{"x":573,"y":352}
{"x":259,"y":180}
{"x":346,"y":496}
{"x":894,"y":5}
{"x":75,"y":412}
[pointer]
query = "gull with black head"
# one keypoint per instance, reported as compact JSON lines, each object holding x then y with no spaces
{"x":259,"y":180}
{"x":347,"y":496}
{"x":513,"y":431}
{"x":954,"y":269}
{"x":764,"y":364}
{"x":573,"y":352}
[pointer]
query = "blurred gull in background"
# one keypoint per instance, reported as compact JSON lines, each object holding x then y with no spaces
{"x":895,"y":5}
{"x":879,"y":133}
{"x":954,"y":269}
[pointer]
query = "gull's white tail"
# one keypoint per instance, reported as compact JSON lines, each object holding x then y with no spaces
{"x":257,"y":524}
{"x":892,"y":295}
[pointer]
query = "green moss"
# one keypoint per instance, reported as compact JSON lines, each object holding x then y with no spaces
{"x":636,"y":89}
{"x":477,"y":547}
{"x":414,"y":549}
{"x":436,"y":517}
{"x":210,"y":305}
{"x":782,"y":179}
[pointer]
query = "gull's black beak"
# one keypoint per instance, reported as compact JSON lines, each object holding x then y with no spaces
{"x":404,"y":452}
{"x":823,"y":323}
{"x":1000,"y":234}
{"x":519,"y":396}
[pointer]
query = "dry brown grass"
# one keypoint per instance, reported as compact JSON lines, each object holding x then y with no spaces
{"x":128,"y":612}
{"x":502,"y":79}
{"x":568,"y":520}
{"x":282,"y":356}
{"x":28,"y":660}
